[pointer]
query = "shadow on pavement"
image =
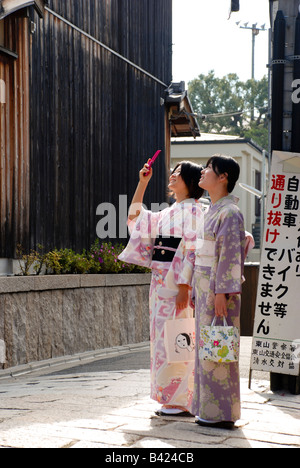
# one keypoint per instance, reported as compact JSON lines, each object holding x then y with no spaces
{"x":132,"y":361}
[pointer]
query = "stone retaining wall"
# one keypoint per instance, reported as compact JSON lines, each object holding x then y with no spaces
{"x":45,"y":317}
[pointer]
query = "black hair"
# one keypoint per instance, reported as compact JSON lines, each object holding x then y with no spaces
{"x":191,"y":174}
{"x":225,"y":165}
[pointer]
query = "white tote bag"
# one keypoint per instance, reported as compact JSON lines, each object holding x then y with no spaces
{"x":179,"y":339}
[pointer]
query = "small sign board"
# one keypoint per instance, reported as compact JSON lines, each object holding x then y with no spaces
{"x":276,"y":336}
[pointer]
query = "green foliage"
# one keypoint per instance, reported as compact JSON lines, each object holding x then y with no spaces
{"x":246,"y":101}
{"x":27,"y":261}
{"x":105,"y":256}
{"x":101,"y":258}
{"x":66,"y":261}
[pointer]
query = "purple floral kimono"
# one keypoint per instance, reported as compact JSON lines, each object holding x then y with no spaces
{"x":150,"y":246}
{"x":217,"y":386}
{"x":216,"y":262}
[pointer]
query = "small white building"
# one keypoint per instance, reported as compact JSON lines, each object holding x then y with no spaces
{"x":247,"y":153}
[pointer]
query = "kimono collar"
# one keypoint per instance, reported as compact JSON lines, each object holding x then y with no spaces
{"x":230,"y":199}
{"x":183,"y":202}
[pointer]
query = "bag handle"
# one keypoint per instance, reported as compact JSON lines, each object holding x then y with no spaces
{"x":213,"y":324}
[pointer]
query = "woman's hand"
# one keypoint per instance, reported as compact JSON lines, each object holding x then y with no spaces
{"x":182,"y":299}
{"x":145,"y":179}
{"x":221,"y":305}
{"x":137,"y":201}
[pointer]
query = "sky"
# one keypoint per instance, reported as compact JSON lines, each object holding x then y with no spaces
{"x":204,"y":39}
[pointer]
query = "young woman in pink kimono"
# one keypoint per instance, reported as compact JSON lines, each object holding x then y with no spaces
{"x":216,"y":263}
{"x":153,"y":242}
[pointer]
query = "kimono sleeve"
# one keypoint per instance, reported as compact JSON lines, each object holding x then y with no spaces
{"x":249,"y":243}
{"x":229,"y":254}
{"x":184,"y":261}
{"x":142,"y":238}
{"x":181,"y":270}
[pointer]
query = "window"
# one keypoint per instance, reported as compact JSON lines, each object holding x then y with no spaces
{"x":1,"y":33}
{"x":3,"y":43}
{"x":2,"y":92}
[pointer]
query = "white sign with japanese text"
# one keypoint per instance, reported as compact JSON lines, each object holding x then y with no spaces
{"x":276,"y":341}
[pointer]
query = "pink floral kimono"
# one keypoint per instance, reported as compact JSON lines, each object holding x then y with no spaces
{"x":154,"y":240}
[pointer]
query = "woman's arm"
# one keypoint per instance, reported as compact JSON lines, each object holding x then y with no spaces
{"x":182,"y":298}
{"x":137,"y":201}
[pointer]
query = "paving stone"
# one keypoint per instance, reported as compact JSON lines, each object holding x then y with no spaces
{"x":112,"y":409}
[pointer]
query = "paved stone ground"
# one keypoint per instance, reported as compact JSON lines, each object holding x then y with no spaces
{"x":105,"y":404}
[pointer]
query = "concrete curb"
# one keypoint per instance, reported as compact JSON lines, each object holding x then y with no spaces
{"x":69,"y":361}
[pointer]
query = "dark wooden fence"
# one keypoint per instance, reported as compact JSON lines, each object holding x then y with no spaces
{"x":96,"y":72}
{"x":95,"y":118}
{"x":14,"y":136}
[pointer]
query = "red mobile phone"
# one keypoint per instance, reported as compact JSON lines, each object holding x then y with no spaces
{"x":151,"y":161}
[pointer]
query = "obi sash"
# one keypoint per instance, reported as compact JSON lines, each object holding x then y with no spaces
{"x":205,"y":253}
{"x":165,"y":248}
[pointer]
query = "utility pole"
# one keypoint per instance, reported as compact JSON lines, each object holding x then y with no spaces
{"x":285,"y":104}
{"x":255,"y":32}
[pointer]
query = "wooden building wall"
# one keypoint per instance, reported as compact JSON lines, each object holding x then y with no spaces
{"x":14,"y":137}
{"x":95,"y":119}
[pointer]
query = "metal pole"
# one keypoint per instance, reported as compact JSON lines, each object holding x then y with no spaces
{"x":253,"y":55}
{"x":296,"y":105}
{"x":255,"y":32}
{"x":253,"y":69}
{"x":289,"y":45}
{"x":278,"y":82}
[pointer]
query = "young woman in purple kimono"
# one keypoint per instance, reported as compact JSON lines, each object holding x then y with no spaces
{"x":218,"y":287}
{"x":217,"y":262}
{"x":154,"y":239}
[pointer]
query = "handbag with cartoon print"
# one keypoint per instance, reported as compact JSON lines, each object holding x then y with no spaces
{"x":219,"y":343}
{"x":179,"y":339}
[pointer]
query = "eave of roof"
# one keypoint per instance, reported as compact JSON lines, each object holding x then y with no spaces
{"x":181,"y":116}
{"x":7,"y":7}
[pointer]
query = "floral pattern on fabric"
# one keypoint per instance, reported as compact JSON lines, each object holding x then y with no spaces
{"x":171,"y":384}
{"x":217,"y":385}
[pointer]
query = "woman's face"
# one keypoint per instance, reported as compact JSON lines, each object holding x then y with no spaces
{"x":208,"y":179}
{"x":176,"y":182}
{"x":181,"y":342}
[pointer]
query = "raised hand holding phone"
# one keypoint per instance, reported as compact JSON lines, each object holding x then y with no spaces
{"x":145,"y":176}
{"x":151,"y":162}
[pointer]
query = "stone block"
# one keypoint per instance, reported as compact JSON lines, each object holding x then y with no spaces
{"x":92,"y":281}
{"x":56,"y":317}
{"x":16,"y":284}
{"x":45,"y":283}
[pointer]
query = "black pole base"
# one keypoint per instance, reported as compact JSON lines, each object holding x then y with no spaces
{"x":290,"y":383}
